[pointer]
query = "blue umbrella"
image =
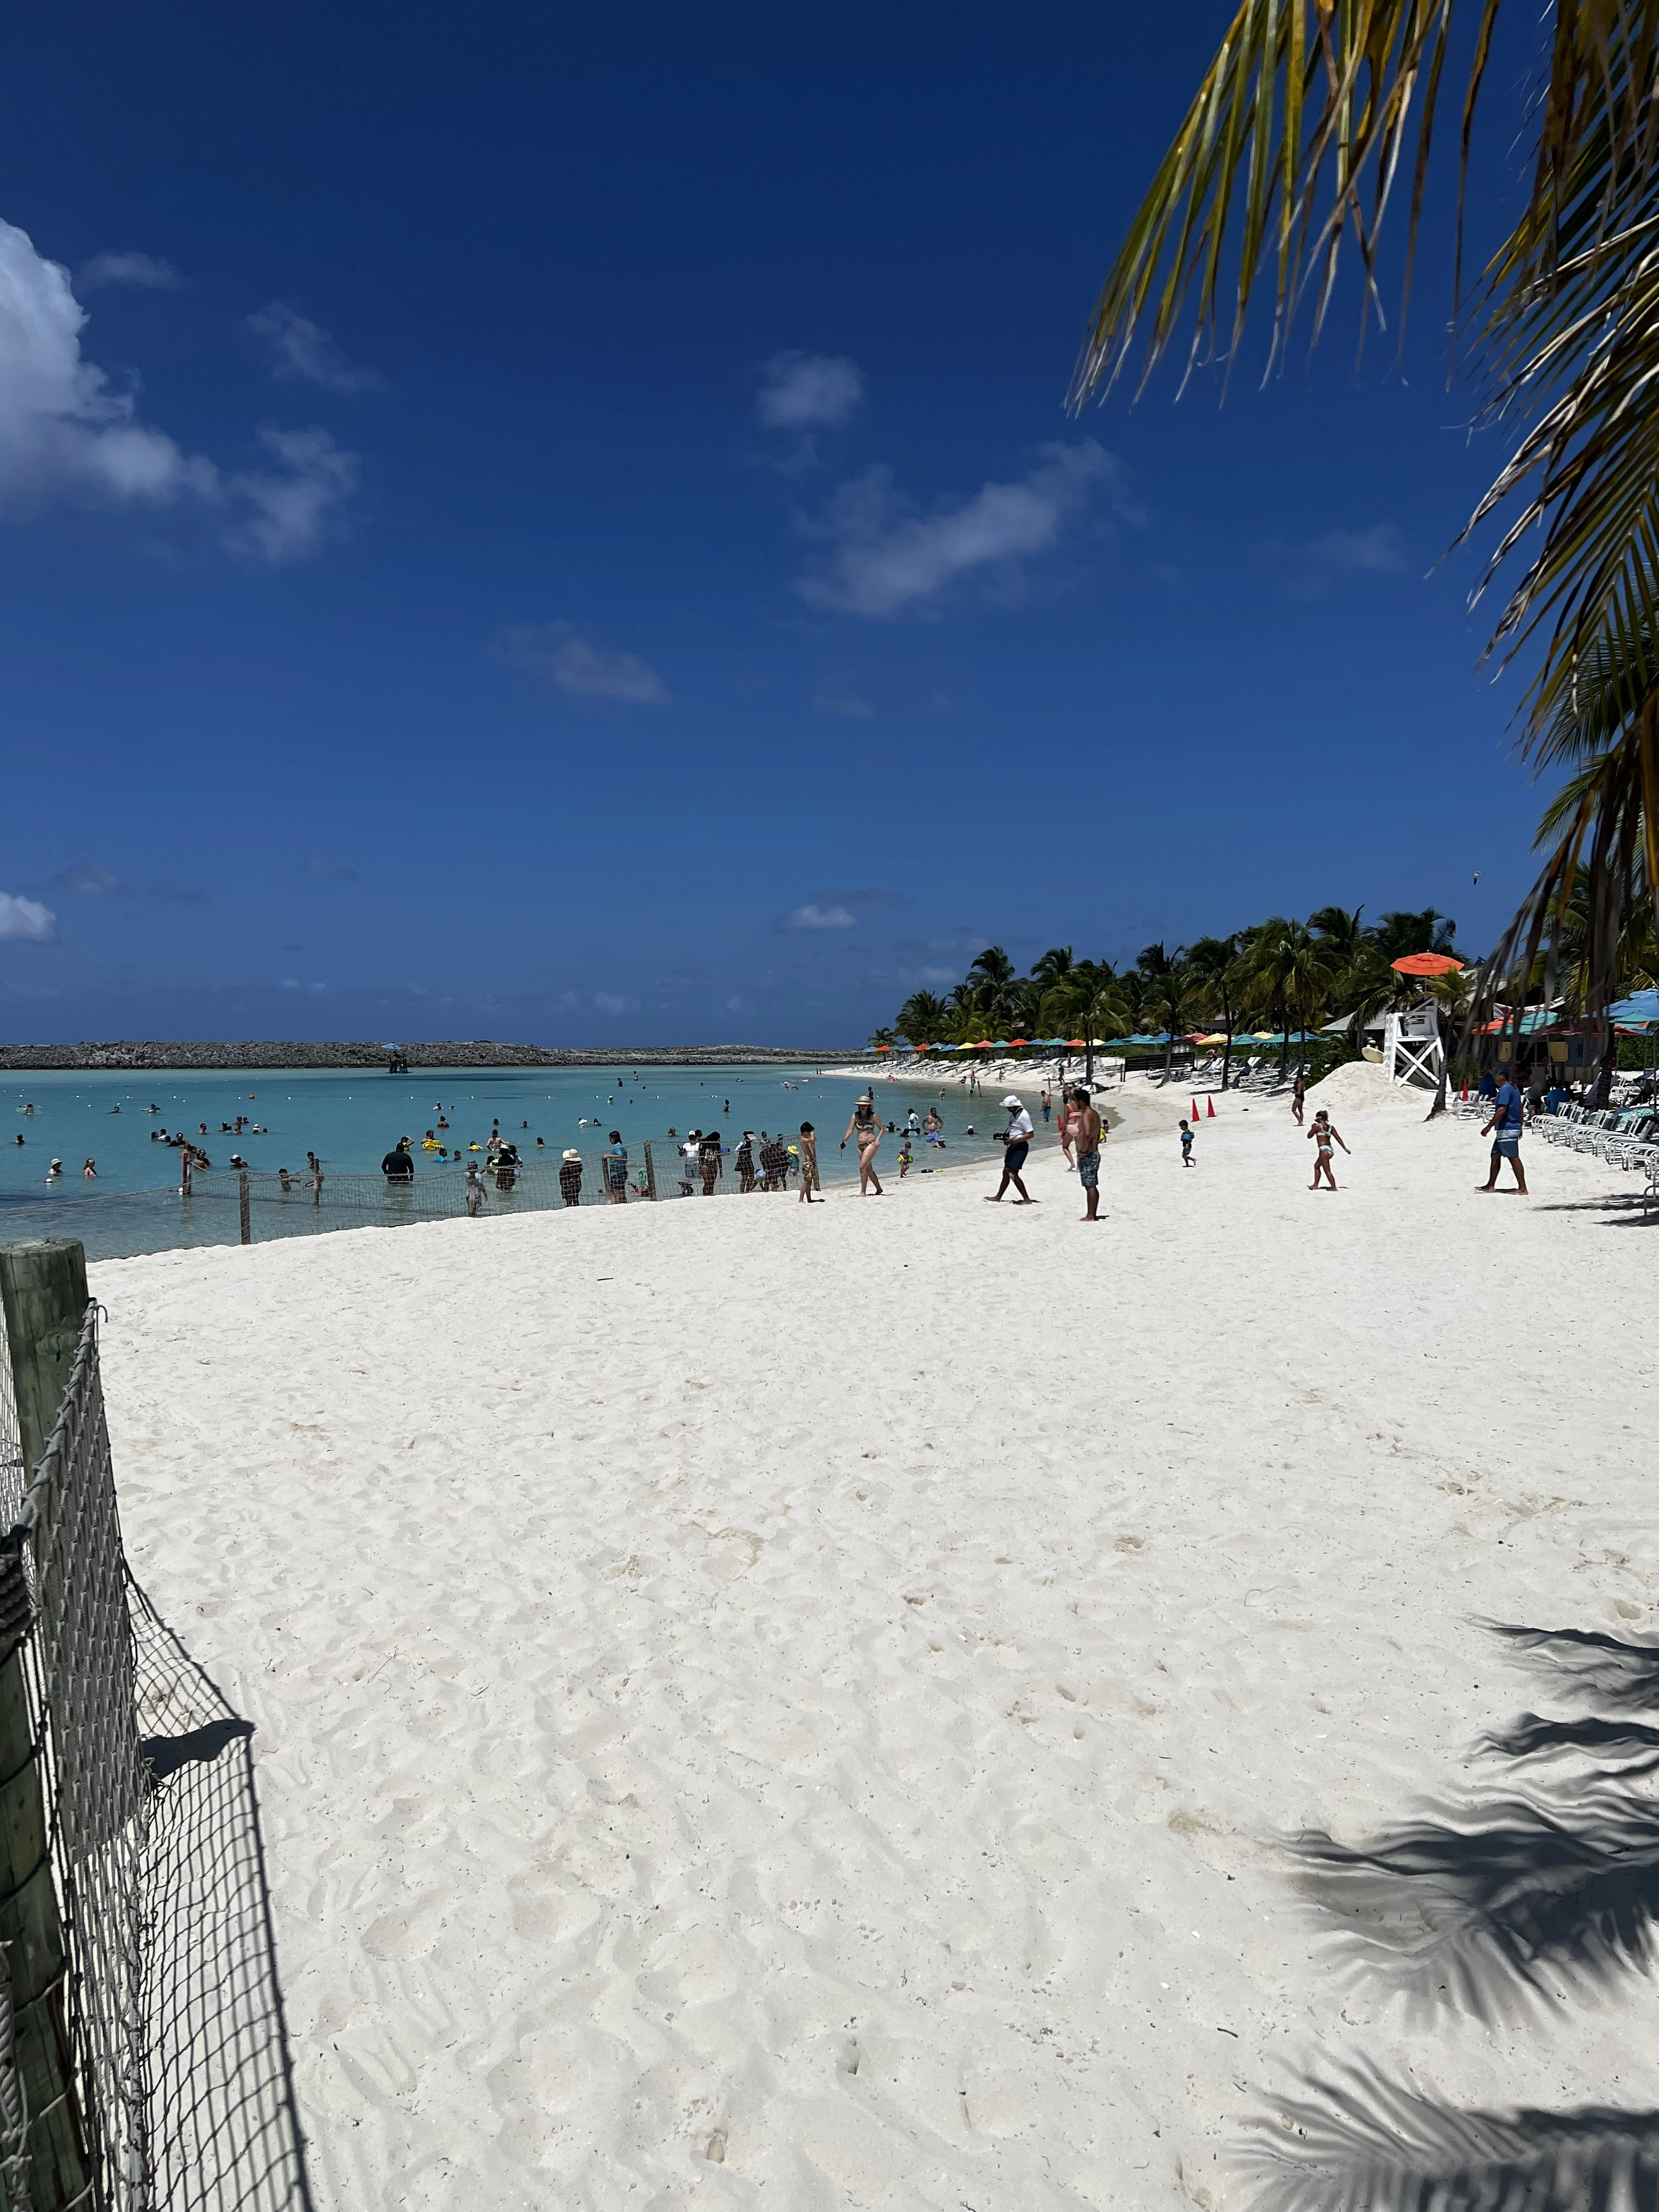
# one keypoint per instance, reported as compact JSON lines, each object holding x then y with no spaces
{"x":1640,"y":1007}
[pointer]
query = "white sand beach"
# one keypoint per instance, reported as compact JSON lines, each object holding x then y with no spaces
{"x":761,"y":1706}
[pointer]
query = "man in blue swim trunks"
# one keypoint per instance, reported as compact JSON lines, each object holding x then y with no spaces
{"x":1504,"y":1129}
{"x":1085,"y":1137}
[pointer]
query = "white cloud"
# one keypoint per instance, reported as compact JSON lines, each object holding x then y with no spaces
{"x":90,"y":880}
{"x":886,"y":559}
{"x":61,"y":428}
{"x":137,"y":272}
{"x":28,"y":919}
{"x":1378,"y":549}
{"x":809,"y":391}
{"x":861,"y":710}
{"x":303,"y":352}
{"x":288,"y":512}
{"x":64,"y":432}
{"x":609,"y":1002}
{"x":735,"y":1007}
{"x":814,"y":917}
{"x":575,"y":665}
{"x":289,"y":984}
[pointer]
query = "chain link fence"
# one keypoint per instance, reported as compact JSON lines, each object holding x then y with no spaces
{"x":143,"y":2059}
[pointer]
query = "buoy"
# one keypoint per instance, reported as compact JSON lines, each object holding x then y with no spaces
{"x":1211,"y":1105}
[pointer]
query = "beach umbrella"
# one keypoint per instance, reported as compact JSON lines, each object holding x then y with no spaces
{"x":1077,"y":1045}
{"x":1013,"y":1042}
{"x":1640,"y":1007}
{"x":1427,"y":964}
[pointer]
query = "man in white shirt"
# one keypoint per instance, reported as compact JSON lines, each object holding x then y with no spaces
{"x":1017,"y":1141}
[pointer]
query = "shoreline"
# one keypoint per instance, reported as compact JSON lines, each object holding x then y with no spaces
{"x":266,"y":1056}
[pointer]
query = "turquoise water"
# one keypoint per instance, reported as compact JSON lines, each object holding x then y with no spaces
{"x":350,"y":1120}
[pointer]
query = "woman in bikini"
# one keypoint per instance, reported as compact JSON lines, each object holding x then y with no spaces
{"x":1325,"y":1133}
{"x":866,"y":1125}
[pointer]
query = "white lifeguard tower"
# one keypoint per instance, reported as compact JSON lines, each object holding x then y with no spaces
{"x":1412,"y":1051}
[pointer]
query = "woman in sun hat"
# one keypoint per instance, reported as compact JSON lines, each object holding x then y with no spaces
{"x":570,"y":1177}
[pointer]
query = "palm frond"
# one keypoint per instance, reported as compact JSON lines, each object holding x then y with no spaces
{"x":1355,"y":2140}
{"x":1296,"y":138}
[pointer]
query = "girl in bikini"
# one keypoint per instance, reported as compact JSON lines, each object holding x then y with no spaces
{"x":866,"y":1127}
{"x":1325,"y":1133}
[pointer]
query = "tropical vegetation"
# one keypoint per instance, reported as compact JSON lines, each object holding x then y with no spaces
{"x":1284,"y":976}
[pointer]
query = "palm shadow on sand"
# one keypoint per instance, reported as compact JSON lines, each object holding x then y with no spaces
{"x":1501,"y":1905}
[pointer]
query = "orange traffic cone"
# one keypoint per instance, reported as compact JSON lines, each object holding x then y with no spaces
{"x":1212,"y":1104}
{"x":1196,"y":1115}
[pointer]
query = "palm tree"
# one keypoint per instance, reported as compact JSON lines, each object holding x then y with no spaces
{"x":923,"y":1018}
{"x":1166,"y":991}
{"x":1214,"y":963}
{"x":994,"y":980}
{"x":1293,"y":966}
{"x":1106,"y":1013}
{"x":1307,"y":120}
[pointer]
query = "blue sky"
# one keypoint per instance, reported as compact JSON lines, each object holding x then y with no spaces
{"x":561,"y":525}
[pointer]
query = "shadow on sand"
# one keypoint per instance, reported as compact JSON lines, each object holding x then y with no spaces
{"x":1503,"y":1905}
{"x":223,"y":2124}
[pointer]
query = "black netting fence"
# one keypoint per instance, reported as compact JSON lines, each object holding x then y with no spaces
{"x":144,"y":2062}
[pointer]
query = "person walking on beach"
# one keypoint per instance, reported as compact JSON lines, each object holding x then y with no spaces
{"x":1017,"y":1143}
{"x":1298,"y":1098}
{"x":1186,"y":1146}
{"x":1048,"y":1103}
{"x":1324,"y":1134}
{"x":1504,"y":1129}
{"x":745,"y":1161}
{"x":1088,"y":1130}
{"x":809,"y":1164}
{"x":616,"y":1170}
{"x":866,"y":1127}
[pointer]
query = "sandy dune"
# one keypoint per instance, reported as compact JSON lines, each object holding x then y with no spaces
{"x":757,"y":1706}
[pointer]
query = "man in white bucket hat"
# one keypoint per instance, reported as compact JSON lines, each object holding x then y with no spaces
{"x":1016,"y":1142}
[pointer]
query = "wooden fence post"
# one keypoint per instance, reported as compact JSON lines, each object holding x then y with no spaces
{"x":242,"y":1208}
{"x":43,"y":1287}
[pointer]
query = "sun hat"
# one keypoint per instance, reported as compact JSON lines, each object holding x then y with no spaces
{"x":572,"y":1154}
{"x":1011,"y":1100}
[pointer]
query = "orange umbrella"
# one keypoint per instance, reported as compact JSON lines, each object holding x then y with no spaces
{"x":1428,"y":964}
{"x":1012,"y":1041}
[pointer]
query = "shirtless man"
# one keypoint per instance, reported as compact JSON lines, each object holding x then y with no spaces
{"x":1087,"y":1132}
